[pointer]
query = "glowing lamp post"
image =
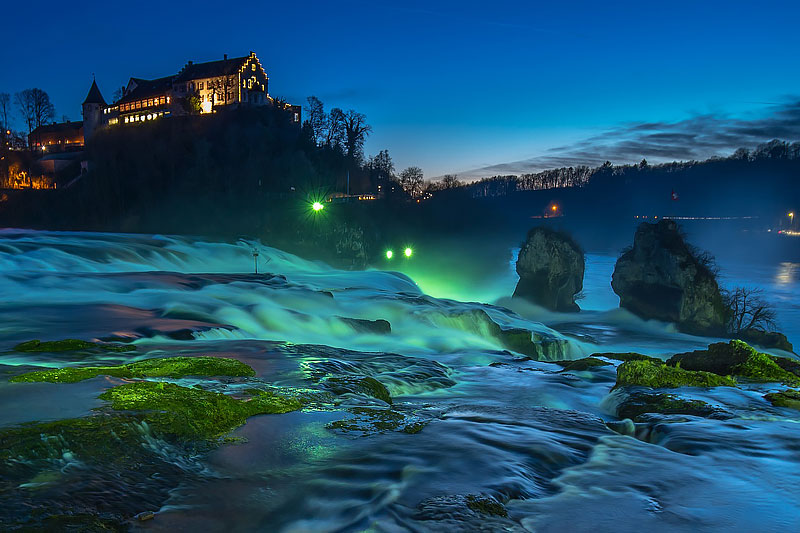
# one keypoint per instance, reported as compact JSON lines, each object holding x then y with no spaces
{"x":408,"y":252}
{"x":791,"y":218}
{"x":389,"y":254}
{"x":317,"y":207}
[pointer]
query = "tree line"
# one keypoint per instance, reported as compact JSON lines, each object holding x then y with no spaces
{"x":33,"y":107}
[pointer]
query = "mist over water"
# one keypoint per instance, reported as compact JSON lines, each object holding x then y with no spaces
{"x":524,"y":432}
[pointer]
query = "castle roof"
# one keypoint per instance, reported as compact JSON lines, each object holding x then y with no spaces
{"x":57,"y":127}
{"x":147,"y":89}
{"x":211,"y":69}
{"x":94,"y":96}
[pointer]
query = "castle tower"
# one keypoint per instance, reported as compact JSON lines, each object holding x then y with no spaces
{"x":92,"y":112}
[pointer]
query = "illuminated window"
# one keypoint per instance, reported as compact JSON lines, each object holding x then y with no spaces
{"x":253,"y":67}
{"x":200,"y":86}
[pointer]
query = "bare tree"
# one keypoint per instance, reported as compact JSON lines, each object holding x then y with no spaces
{"x":747,"y":309}
{"x":35,"y":107}
{"x":382,"y":165}
{"x":450,"y":181}
{"x":317,"y":119}
{"x":356,"y":131}
{"x":335,"y":134}
{"x":5,"y":109}
{"x":411,"y":180}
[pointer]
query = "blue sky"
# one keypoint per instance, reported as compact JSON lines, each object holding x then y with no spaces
{"x":448,"y":86}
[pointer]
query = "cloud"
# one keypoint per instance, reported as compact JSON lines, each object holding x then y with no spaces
{"x":695,"y":138}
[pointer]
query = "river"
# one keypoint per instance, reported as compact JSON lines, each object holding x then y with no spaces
{"x":523,"y":433}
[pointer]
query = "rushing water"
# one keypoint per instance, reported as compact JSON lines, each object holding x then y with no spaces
{"x":524,"y":433}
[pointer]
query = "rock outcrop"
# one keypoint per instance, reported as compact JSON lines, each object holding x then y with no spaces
{"x":550,"y":267}
{"x":663,"y":278}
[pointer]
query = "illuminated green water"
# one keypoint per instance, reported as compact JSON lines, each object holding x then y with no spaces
{"x":524,"y":433}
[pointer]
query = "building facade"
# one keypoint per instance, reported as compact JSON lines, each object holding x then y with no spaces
{"x":198,"y":88}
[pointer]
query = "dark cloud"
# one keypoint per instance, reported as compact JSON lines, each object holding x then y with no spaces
{"x":695,"y":138}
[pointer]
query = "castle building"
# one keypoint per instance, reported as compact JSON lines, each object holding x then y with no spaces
{"x":197,"y":88}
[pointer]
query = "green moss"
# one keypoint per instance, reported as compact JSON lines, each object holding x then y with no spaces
{"x":368,"y":420}
{"x":788,"y":398}
{"x":103,"y":438}
{"x":648,"y":374}
{"x":69,"y":345}
{"x":587,"y":363}
{"x":628,"y":356}
{"x":487,"y":506}
{"x":640,"y":403}
{"x":170,"y":367}
{"x":735,"y":358}
{"x":191,"y":413}
{"x":358,"y":385}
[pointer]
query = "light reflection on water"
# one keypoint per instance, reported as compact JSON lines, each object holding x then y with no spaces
{"x":523,"y":432}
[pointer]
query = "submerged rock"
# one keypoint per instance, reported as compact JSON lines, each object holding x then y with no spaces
{"x":380,"y":326}
{"x":663,"y":278}
{"x":550,"y":267}
{"x":734,"y":358}
{"x":69,"y":345}
{"x":526,"y":342}
{"x":640,"y":402}
{"x":587,"y":363}
{"x":132,"y":452}
{"x":788,"y":398}
{"x":168,"y":367}
{"x":368,"y":421}
{"x":627,"y":356}
{"x":366,"y":385}
{"x":649,"y":374}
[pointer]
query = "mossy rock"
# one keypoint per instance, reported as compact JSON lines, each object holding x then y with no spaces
{"x":627,"y":356}
{"x":788,"y":398}
{"x":649,"y":374}
{"x":486,"y":505}
{"x":192,"y":413}
{"x":368,"y":386}
{"x":789,"y":365}
{"x":70,"y":345}
{"x":639,"y":403}
{"x":168,"y":367}
{"x":368,"y":420}
{"x":735,"y":358}
{"x":577,"y":365}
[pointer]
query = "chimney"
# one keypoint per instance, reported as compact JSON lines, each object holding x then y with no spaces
{"x":225,"y":57}
{"x":188,"y":63}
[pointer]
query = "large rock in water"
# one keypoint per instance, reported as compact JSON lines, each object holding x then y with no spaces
{"x":662,"y":278}
{"x":550,"y":267}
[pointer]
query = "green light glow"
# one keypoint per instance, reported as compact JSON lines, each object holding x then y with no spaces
{"x":408,"y":252}
{"x":317,"y":206}
{"x":389,"y":254}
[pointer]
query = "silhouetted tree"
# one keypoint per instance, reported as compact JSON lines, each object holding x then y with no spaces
{"x":35,"y":107}
{"x":381,"y":165}
{"x":411,"y":180}
{"x":335,"y":134}
{"x":316,"y":119}
{"x":450,"y":181}
{"x":747,"y":309}
{"x":356,"y":131}
{"x":5,"y":109}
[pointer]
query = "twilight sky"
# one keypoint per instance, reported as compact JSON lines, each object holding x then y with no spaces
{"x":455,"y":86}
